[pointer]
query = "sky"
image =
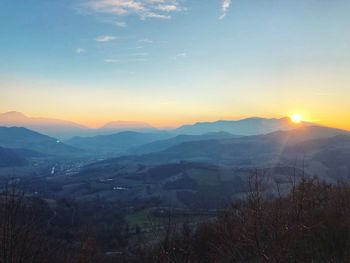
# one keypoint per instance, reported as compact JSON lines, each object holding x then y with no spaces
{"x":169,"y":62}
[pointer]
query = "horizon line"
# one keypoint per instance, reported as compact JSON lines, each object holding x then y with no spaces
{"x":151,"y":126}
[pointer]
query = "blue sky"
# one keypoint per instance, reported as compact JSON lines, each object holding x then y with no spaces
{"x":174,"y":61}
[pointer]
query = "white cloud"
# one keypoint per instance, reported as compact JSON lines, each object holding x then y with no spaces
{"x":145,"y":40}
{"x":167,"y":8}
{"x":112,"y":61}
{"x":120,"y":24}
{"x":142,"y":8}
{"x":80,"y":50}
{"x":225,"y":7}
{"x":180,"y":55}
{"x":127,"y":59}
{"x":105,"y":38}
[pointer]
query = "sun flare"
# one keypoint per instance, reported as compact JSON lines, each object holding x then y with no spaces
{"x":297,"y":118}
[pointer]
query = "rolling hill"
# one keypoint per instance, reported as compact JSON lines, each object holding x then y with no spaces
{"x":116,"y":143}
{"x":213,"y":172}
{"x":164,"y":144}
{"x":119,"y":126}
{"x":22,"y":138}
{"x":249,"y":151}
{"x":9,"y":158}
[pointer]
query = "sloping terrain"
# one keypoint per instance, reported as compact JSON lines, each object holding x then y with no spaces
{"x":10,"y":158}
{"x":116,"y":143}
{"x":22,"y":138}
{"x":66,"y":129}
{"x":49,"y":126}
{"x":244,"y":151}
{"x":244,"y":127}
{"x":206,"y":174}
{"x":161,"y":145}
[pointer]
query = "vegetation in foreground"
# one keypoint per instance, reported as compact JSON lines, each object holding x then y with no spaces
{"x":310,"y":224}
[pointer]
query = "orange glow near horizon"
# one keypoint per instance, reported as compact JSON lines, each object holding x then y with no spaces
{"x":176,"y":120}
{"x":170,"y":120}
{"x":95,"y":108}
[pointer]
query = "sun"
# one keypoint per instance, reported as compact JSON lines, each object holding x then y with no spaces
{"x":296,"y":118}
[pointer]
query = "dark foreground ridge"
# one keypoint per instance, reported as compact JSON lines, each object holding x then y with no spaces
{"x":310,"y":224}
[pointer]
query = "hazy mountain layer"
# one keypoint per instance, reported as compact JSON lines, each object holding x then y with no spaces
{"x":245,"y":127}
{"x":22,"y":138}
{"x":253,"y":151}
{"x":116,"y":143}
{"x":212,"y":173}
{"x":164,"y":144}
{"x":66,"y":129}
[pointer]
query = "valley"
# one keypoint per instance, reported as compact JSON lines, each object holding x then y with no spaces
{"x":206,"y":171}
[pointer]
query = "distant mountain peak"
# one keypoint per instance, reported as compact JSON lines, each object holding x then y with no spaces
{"x":23,"y":138}
{"x":52,"y":127}
{"x":13,"y":114}
{"x":247,"y":126}
{"x":127,"y":125}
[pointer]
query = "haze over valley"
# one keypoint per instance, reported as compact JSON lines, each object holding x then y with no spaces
{"x":93,"y":162}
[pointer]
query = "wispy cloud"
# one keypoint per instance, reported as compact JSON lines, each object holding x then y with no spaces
{"x":167,"y":8}
{"x":180,"y":55}
{"x":105,"y":38}
{"x":145,"y":40}
{"x":161,"y":9}
{"x":225,"y":7}
{"x":120,"y":24}
{"x":80,"y":50}
{"x":112,"y":61}
{"x":125,"y":60}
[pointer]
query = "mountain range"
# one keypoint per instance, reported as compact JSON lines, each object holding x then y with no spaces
{"x":161,"y":145}
{"x":248,"y":151}
{"x":244,"y":127}
{"x":182,"y":142}
{"x":211,"y":173}
{"x":23,"y":139}
{"x":65,"y":129}
{"x":195,"y":170}
{"x":51,"y":127}
{"x":116,"y":143}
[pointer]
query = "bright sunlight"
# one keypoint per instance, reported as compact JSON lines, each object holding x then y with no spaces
{"x":297,"y":118}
